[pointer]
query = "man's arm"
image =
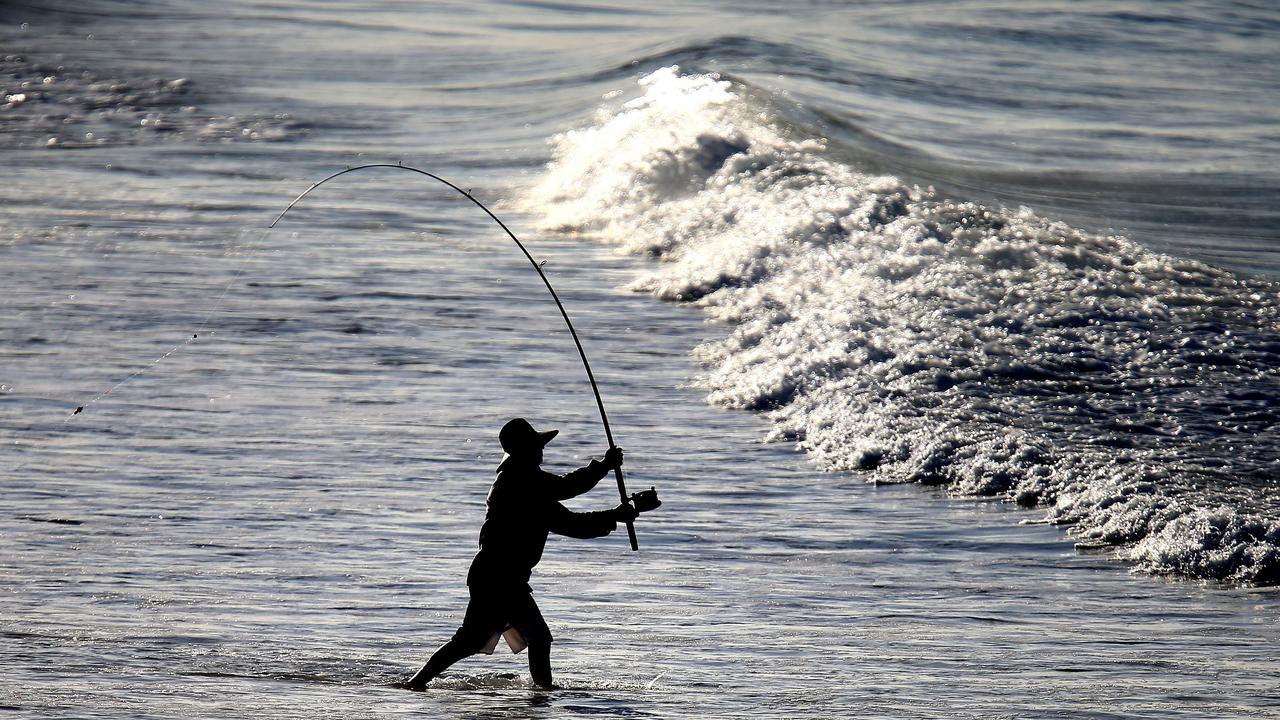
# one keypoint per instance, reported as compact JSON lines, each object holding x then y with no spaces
{"x":583,"y":479}
{"x":564,"y":521}
{"x":576,"y":482}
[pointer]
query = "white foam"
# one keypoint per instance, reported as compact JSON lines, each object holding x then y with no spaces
{"x":890,"y":330}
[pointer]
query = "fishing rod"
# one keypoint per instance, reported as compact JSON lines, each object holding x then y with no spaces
{"x":641,"y":498}
{"x":644,"y":500}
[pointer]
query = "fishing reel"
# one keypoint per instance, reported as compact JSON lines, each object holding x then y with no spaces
{"x":645,"y":500}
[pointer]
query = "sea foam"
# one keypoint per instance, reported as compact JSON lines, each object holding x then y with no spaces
{"x":888,"y":330}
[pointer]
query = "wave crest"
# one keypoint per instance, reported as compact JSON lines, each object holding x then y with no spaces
{"x":887,"y":329}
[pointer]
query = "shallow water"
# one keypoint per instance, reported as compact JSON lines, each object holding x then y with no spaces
{"x":276,"y":519}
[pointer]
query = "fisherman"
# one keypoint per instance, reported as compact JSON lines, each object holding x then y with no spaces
{"x":523,"y":506}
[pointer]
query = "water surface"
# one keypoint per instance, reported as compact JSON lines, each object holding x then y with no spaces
{"x":276,"y":519}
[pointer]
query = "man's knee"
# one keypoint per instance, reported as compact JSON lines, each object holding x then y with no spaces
{"x":532,"y":626}
{"x":470,"y":641}
{"x":536,"y":634}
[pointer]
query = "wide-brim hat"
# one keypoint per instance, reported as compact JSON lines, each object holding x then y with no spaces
{"x":518,"y":437}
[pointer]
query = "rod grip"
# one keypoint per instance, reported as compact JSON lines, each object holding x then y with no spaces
{"x":631,"y":534}
{"x":622,"y":492}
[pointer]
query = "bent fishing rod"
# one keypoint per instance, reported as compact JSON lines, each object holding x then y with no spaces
{"x":645,"y":500}
{"x":537,"y":266}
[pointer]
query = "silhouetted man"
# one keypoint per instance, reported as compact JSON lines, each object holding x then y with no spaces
{"x":524,"y":505}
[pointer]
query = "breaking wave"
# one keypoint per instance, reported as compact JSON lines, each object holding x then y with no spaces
{"x":891,"y":331}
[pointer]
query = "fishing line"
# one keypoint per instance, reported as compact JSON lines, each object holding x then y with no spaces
{"x":195,"y":335}
{"x":537,"y":266}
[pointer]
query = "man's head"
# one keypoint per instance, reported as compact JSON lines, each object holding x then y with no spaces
{"x":521,"y":441}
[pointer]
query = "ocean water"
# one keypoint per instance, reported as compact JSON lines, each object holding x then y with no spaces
{"x":948,"y":332}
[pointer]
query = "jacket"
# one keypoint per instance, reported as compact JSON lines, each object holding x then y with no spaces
{"x":523,"y":507}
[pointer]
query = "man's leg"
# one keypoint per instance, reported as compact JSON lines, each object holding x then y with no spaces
{"x":483,"y":618}
{"x":448,"y":654}
{"x":527,"y":618}
{"x":540,"y":664}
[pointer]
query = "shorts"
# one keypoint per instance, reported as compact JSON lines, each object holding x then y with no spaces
{"x":493,"y":611}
